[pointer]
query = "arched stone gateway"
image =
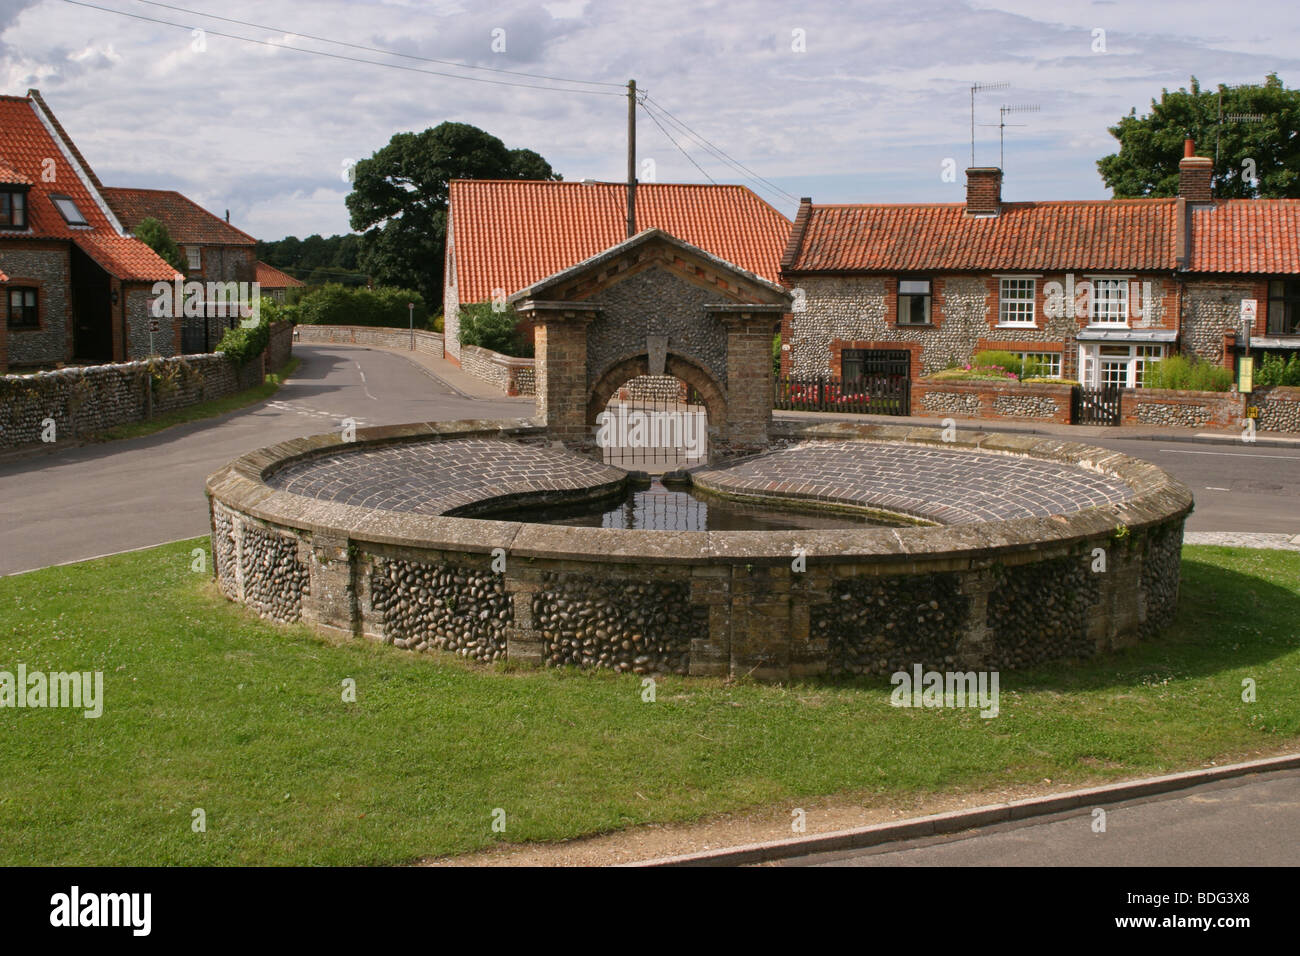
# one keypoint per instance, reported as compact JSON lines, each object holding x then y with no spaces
{"x":655,"y":305}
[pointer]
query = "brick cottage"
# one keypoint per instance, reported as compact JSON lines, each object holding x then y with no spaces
{"x":1093,"y":291}
{"x":76,"y":286}
{"x":215,"y":252}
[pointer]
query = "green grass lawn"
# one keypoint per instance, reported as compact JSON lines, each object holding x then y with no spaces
{"x":206,"y":706}
{"x":194,"y":413}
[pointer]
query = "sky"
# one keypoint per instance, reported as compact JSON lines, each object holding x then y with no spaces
{"x":843,"y":102}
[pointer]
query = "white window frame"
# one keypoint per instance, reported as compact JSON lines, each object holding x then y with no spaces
{"x":1135,"y":362}
{"x":1107,"y":316}
{"x":194,"y":257}
{"x":1054,"y":360}
{"x":1019,"y":301}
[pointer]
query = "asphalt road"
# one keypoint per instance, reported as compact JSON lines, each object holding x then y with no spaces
{"x":73,"y":503}
{"x":1246,"y":821}
{"x":80,"y":502}
{"x":1238,"y":487}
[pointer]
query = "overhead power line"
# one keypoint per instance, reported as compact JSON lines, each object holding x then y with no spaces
{"x":374,"y":49}
{"x":717,"y":151}
{"x":338,"y":56}
{"x":652,"y":116}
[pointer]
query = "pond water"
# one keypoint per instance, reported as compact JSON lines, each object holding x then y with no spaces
{"x":658,"y":508}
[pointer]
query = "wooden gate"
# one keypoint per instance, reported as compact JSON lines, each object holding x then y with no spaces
{"x":1095,"y":406}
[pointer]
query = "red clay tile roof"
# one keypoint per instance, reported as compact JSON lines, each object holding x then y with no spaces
{"x":508,"y":234}
{"x":1131,"y":234}
{"x":1246,"y":235}
{"x":128,"y":259}
{"x":10,"y":176}
{"x":270,"y":277}
{"x":33,"y":152}
{"x":186,"y":220}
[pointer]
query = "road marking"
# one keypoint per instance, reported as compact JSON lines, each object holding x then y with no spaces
{"x":1228,"y":454}
{"x":310,"y":412}
{"x":363,"y":383}
{"x":1212,"y":488}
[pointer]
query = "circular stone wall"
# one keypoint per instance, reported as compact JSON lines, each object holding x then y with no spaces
{"x":1040,"y":549}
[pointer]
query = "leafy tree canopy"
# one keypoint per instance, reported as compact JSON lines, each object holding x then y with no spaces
{"x":155,"y":235}
{"x":399,"y":197}
{"x":1152,"y":145}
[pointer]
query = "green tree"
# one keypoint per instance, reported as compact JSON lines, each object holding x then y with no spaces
{"x":155,"y":235}
{"x":1152,"y":145}
{"x":399,"y":197}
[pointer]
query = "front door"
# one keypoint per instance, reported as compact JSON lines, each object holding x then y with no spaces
{"x":92,"y":310}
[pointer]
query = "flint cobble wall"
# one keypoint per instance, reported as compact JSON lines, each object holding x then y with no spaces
{"x":1011,"y":401}
{"x":93,"y":398}
{"x":1279,"y":409}
{"x":996,"y":594}
{"x":1180,"y":409}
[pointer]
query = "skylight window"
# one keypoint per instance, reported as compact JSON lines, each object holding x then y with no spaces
{"x":69,"y":211}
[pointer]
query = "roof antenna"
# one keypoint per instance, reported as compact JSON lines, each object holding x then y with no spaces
{"x":1002,"y":124}
{"x":979,"y":88}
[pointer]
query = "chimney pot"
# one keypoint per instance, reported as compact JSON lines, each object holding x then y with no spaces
{"x":1195,"y":176}
{"x":983,"y":191}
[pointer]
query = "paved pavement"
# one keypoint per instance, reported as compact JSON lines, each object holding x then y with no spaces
{"x":945,"y":485}
{"x":1246,"y":821}
{"x":72,"y":503}
{"x":435,"y":478}
{"x":1238,"y":486}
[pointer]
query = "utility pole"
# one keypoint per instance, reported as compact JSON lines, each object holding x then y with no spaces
{"x":631,"y":158}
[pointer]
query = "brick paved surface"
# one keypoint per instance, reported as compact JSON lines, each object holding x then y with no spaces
{"x":435,"y":477}
{"x":948,"y":486}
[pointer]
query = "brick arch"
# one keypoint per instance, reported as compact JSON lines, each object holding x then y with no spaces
{"x":693,"y":374}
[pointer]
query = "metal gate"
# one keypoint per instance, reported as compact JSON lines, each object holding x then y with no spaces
{"x":654,"y":424}
{"x":1095,"y":406}
{"x":194,"y":336}
{"x":875,"y":382}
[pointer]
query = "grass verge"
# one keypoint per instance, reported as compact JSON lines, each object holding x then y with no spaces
{"x":207,"y":707}
{"x":194,"y":413}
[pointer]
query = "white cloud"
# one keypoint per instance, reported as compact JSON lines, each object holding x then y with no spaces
{"x":879,"y":99}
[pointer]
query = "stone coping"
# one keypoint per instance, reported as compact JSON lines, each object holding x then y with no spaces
{"x":240,"y":486}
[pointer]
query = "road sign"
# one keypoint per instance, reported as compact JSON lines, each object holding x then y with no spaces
{"x":153,"y":325}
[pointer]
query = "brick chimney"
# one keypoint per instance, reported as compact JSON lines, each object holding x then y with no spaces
{"x":1195,"y":175}
{"x":983,"y":191}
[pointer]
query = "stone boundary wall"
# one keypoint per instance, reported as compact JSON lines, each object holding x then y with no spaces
{"x":996,"y":595}
{"x":93,"y":398}
{"x":425,"y":341}
{"x":1279,"y":408}
{"x":280,"y":346}
{"x":514,"y":376}
{"x":1010,"y":401}
{"x":1171,"y":408}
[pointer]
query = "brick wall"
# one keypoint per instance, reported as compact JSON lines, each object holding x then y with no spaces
{"x":1168,"y":408}
{"x":1010,"y":401}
